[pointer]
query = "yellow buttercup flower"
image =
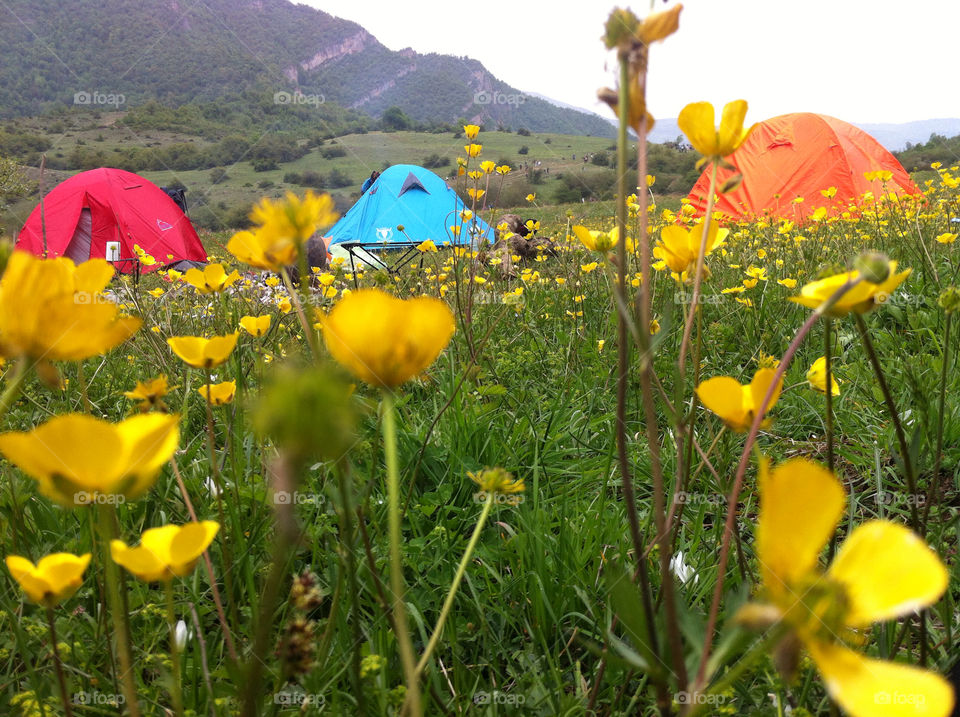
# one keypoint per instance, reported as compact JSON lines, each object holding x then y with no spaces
{"x":219,"y":394}
{"x":946,"y":237}
{"x":76,"y":458}
{"x":497,"y":480}
{"x":860,"y":298}
{"x":52,"y":580}
{"x":472,"y":149}
{"x":384,"y":340}
{"x":165,"y":553}
{"x":256,"y":326}
{"x":596,"y":240}
{"x":53,"y":310}
{"x":882,"y":571}
{"x":531,"y":197}
{"x":475,"y":193}
{"x":150,"y":393}
{"x":427,"y":246}
{"x":679,"y":247}
{"x":817,"y":377}
{"x":488,"y":166}
{"x":735,"y":404}
{"x":504,"y":169}
{"x":696,"y":121}
{"x":281,"y":228}
{"x":211,"y":279}
{"x":199,"y":352}
{"x":471,"y":131}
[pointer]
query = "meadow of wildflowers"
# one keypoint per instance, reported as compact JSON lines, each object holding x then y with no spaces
{"x":661,"y":464}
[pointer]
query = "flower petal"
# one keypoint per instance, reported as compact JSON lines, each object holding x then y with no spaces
{"x":724,"y":396}
{"x":696,"y":122}
{"x":888,"y":571}
{"x":877,"y":688}
{"x":800,"y":505}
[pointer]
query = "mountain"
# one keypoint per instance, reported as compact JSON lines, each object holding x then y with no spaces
{"x":121,"y":53}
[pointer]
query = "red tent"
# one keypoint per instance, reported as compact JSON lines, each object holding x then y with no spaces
{"x":103,"y":213}
{"x":798,"y":155}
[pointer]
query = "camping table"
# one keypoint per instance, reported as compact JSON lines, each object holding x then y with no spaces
{"x":407,"y":250}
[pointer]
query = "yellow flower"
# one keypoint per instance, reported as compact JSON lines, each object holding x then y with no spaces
{"x":497,"y":480}
{"x":946,"y":238}
{"x":52,"y":310}
{"x":384,"y":340}
{"x":882,"y":571}
{"x":679,"y":247}
{"x":52,"y":580}
{"x":218,"y":394}
{"x":788,"y":282}
{"x":199,"y":352}
{"x":142,"y":256}
{"x":587,"y":268}
{"x":696,"y":120}
{"x":284,"y":305}
{"x":150,"y":393}
{"x":737,"y":405}
{"x":475,"y":193}
{"x":531,"y":197}
{"x":167,"y":552}
{"x":211,"y":279}
{"x":471,"y":131}
{"x":817,"y":377}
{"x":488,"y":166}
{"x":281,"y":228}
{"x":860,"y":298}
{"x":595,"y":240}
{"x":427,"y":246}
{"x":256,"y":326}
{"x":829,"y":192}
{"x":75,"y":457}
{"x":156,"y":293}
{"x":884,"y":175}
{"x":472,"y":149}
{"x":504,"y":169}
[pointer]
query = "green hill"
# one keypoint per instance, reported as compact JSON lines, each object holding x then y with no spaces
{"x":112,"y":54}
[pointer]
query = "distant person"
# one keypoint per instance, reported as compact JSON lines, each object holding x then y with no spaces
{"x":368,"y":182}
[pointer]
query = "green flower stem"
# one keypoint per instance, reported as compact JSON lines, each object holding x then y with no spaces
{"x":175,"y":693}
{"x":396,"y":560}
{"x":828,"y":392}
{"x":221,"y":514}
{"x":121,"y":627}
{"x":894,"y":416}
{"x":730,"y":523}
{"x":298,"y":307}
{"x":349,"y":557}
{"x":61,"y":680}
{"x":760,"y":648}
{"x":10,"y":393}
{"x":934,"y":487}
{"x":461,"y":570}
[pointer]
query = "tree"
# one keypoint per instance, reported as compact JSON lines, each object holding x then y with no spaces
{"x":394,"y":119}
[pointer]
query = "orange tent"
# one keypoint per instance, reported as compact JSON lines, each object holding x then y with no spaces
{"x":798,"y":155}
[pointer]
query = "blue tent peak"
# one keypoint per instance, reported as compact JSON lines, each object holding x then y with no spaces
{"x":393,"y":201}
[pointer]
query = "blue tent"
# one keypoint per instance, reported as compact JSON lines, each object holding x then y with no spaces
{"x":413,"y":197}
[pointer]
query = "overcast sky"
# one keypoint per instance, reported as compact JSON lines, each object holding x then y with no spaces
{"x":859,"y":60}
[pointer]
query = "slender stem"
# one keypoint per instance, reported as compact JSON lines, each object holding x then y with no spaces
{"x":828,"y":391}
{"x":934,"y":488}
{"x":121,"y":628}
{"x":895,"y":417}
{"x":396,"y":559}
{"x":698,"y":273}
{"x":346,"y":522}
{"x":452,"y":593}
{"x":760,"y":648}
{"x":298,"y":307}
{"x":10,"y":393}
{"x":623,"y":361}
{"x":61,"y":680}
{"x":734,"y":496}
{"x":175,"y":692}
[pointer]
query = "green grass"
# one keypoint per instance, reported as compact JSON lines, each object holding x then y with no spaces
{"x":539,"y":400}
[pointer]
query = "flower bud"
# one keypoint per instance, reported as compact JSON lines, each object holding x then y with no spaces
{"x":732,"y":183}
{"x":949,"y":299}
{"x":873,"y":267}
